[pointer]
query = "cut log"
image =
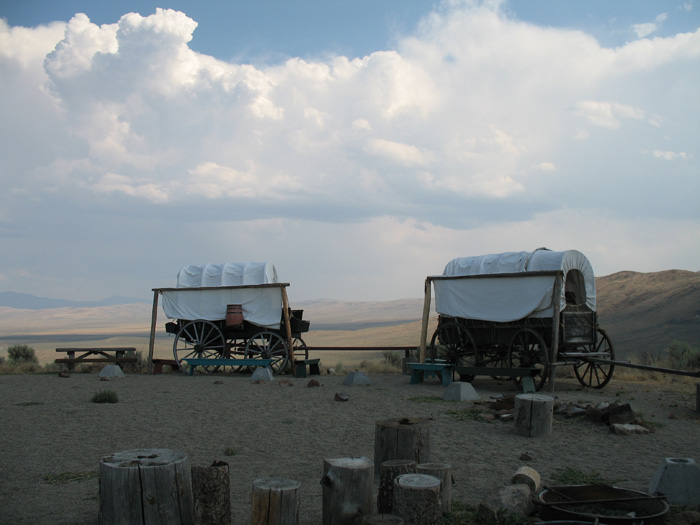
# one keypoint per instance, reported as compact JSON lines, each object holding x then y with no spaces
{"x":275,"y":501}
{"x":401,"y":439}
{"x":144,"y":486}
{"x":389,"y":471}
{"x":443,"y":472}
{"x":347,"y":490}
{"x":211,"y":494}
{"x":417,"y":499}
{"x":381,"y":519}
{"x":533,"y":415}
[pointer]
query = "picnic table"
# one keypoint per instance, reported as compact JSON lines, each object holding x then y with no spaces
{"x":111,"y":355}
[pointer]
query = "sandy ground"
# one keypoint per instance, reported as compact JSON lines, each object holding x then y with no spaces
{"x":50,"y":428}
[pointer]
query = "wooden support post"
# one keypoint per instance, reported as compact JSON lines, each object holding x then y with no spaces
{"x":389,"y":471}
{"x":287,"y":327}
{"x":211,"y":494}
{"x":426,"y":318}
{"x":274,"y":501}
{"x":443,"y":472}
{"x":152,"y":340}
{"x":145,"y":486}
{"x":533,"y":415}
{"x":556,"y":316}
{"x":417,"y":499}
{"x":347,"y":490}
{"x":401,"y":439}
{"x":381,"y":519}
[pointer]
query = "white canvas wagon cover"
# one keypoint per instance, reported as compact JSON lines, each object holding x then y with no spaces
{"x":261,"y":306}
{"x":520,"y":293}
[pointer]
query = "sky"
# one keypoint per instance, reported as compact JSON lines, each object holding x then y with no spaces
{"x":359,"y":146}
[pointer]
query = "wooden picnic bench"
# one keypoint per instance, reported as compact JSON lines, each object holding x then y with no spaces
{"x":442,"y":371}
{"x":524,"y":374}
{"x":159,"y":363}
{"x":193,"y":362}
{"x":301,"y":364}
{"x":112,"y":355}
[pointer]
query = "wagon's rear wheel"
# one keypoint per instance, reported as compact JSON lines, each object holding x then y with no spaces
{"x":198,"y":339}
{"x":453,"y":343}
{"x":596,"y":375}
{"x":299,"y":348}
{"x":527,"y":349}
{"x":268,"y":345}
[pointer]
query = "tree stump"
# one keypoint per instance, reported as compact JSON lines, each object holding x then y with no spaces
{"x":211,"y":494}
{"x":401,"y":439}
{"x":533,"y":415}
{"x":389,"y":471}
{"x":275,"y":501}
{"x":443,"y":472}
{"x":144,"y":486}
{"x":417,"y":499}
{"x":347,"y":490}
{"x":380,"y":519}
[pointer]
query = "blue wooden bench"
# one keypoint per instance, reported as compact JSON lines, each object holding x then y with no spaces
{"x":420,"y":371}
{"x":193,"y":362}
{"x":524,"y":374}
{"x":301,"y":364}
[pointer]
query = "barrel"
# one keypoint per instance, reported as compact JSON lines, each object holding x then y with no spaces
{"x":234,"y":316}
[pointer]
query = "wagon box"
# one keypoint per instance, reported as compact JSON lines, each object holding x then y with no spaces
{"x":519,"y":309}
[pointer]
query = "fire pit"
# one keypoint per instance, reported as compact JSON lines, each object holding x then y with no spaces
{"x":609,"y":505}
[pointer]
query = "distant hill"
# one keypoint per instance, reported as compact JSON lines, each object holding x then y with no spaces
{"x":642,"y":312}
{"x":25,"y":301}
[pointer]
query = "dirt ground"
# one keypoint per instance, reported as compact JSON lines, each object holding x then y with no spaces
{"x":52,"y":433}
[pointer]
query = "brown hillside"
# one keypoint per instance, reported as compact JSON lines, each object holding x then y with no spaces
{"x":644,"y":312}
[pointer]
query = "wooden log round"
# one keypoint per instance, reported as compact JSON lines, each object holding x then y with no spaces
{"x":211,"y":494}
{"x":417,"y":499}
{"x":443,"y":472}
{"x":389,"y":471}
{"x":403,"y":438}
{"x":347,"y":490}
{"x":274,"y":501}
{"x":533,"y":415}
{"x":381,"y":519}
{"x":144,"y":486}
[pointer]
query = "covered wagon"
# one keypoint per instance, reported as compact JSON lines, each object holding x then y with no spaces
{"x":521,"y":310}
{"x":231,"y":314}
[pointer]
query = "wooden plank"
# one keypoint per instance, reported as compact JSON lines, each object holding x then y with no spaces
{"x":152,"y":338}
{"x":99,"y":349}
{"x":200,"y":288}
{"x":424,"y":324}
{"x":96,"y":360}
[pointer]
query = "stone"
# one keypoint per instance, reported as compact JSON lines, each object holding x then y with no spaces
{"x":313,"y":383}
{"x":111,"y":371}
{"x":509,"y":500}
{"x":527,"y":476}
{"x":625,"y":429}
{"x":262,"y":374}
{"x":679,"y":480}
{"x":460,"y":391}
{"x":356,"y":378}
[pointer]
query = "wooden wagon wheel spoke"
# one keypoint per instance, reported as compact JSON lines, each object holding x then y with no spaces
{"x":268,"y":345}
{"x":198,"y":339}
{"x":595,"y":374}
{"x":453,"y":343}
{"x":299,"y":348}
{"x":527,"y":349}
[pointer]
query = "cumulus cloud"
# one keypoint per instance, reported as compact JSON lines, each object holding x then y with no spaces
{"x":475,"y":124}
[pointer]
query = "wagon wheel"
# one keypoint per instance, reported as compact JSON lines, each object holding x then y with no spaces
{"x":453,"y":343}
{"x":198,"y":339}
{"x":268,"y":345}
{"x":596,"y":375}
{"x":235,"y":348}
{"x":527,"y":349}
{"x":495,"y":356}
{"x":299,"y":348}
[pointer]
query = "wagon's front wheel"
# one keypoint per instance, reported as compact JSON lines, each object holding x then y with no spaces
{"x":453,"y":343}
{"x":268,"y":345}
{"x":198,"y":339}
{"x":596,"y":374}
{"x":527,"y":349}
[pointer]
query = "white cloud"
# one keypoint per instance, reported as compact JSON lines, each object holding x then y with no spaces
{"x":478,"y":133}
{"x":646,"y":29}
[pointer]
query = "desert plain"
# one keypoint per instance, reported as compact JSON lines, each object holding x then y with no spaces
{"x":53,"y":437}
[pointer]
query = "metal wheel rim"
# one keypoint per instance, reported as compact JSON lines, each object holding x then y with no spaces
{"x":268,"y":345}
{"x":299,"y":348}
{"x":198,"y":339}
{"x":527,"y":349}
{"x":587,"y":372}
{"x":453,"y":343}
